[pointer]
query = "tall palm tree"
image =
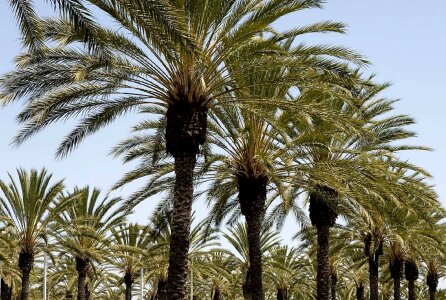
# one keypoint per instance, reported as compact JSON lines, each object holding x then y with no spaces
{"x":83,"y":230}
{"x":29,"y":203}
{"x":340,"y":170}
{"x":129,"y":242}
{"x":178,"y":63}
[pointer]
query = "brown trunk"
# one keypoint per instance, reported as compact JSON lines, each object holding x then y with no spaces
{"x":373,"y":259}
{"x":179,"y":242}
{"x":252,"y":197}
{"x":411,"y":274}
{"x":282,"y":294}
{"x":81,"y":268}
{"x":185,"y":132}
{"x":217,"y":295}
{"x":360,"y":292}
{"x":6,"y":291}
{"x":128,"y":280}
{"x":334,"y":283}
{"x":396,"y":272}
{"x":26,"y":261}
{"x":432,"y":283}
{"x":161,"y":290}
{"x":323,"y":216}
{"x":87,"y":293}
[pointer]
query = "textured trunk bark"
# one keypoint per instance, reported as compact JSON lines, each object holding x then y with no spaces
{"x":373,"y":260}
{"x":87,"y":293}
{"x":323,"y":263}
{"x":323,"y":216}
{"x":397,"y":288}
{"x":185,"y":132}
{"x":128,"y":280}
{"x":179,"y":242}
{"x":411,"y":287}
{"x":360,"y":295}
{"x":254,"y":276}
{"x":26,"y":261}
{"x":252,"y":197}
{"x":411,"y":273}
{"x":432,"y":295}
{"x":162,"y":290}
{"x":432,"y":283}
{"x":396,"y":272}
{"x":81,"y":268}
{"x":6,"y":291}
{"x":334,"y":286}
{"x":374,"y":278}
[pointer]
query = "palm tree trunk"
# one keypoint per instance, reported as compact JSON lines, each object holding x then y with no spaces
{"x":396,"y":272}
{"x":373,"y":259}
{"x":161,"y":290}
{"x":334,"y":282}
{"x":411,"y":274}
{"x":128,"y":280}
{"x":26,"y":261}
{"x":323,"y":216}
{"x":179,"y":242}
{"x":87,"y":292}
{"x":6,"y":291}
{"x":432,"y":283}
{"x":252,"y":197}
{"x":360,"y":292}
{"x":411,"y":287}
{"x":217,"y":294}
{"x":185,"y":132}
{"x":81,"y":268}
{"x":323,"y":261}
{"x":374,"y":277}
{"x":397,"y":288}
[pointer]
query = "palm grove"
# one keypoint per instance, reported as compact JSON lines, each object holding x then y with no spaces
{"x":249,"y":118}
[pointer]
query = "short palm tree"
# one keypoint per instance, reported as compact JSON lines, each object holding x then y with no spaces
{"x":29,"y":203}
{"x":282,"y":268}
{"x":83,"y":230}
{"x":129,"y":243}
{"x":237,"y":237}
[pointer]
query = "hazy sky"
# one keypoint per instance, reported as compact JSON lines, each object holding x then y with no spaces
{"x":404,"y":40}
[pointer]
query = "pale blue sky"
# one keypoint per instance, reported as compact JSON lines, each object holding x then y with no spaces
{"x":405,"y":41}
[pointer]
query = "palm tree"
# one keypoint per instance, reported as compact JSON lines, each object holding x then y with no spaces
{"x":411,"y":274}
{"x":237,"y":237}
{"x":8,"y":257}
{"x":83,"y":231}
{"x":29,"y":204}
{"x":178,"y":63}
{"x":341,"y":170}
{"x":396,"y":266}
{"x":283,"y":268}
{"x":432,"y":278}
{"x":129,"y":242}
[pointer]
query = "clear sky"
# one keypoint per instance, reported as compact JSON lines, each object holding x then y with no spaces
{"x":404,"y":40}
